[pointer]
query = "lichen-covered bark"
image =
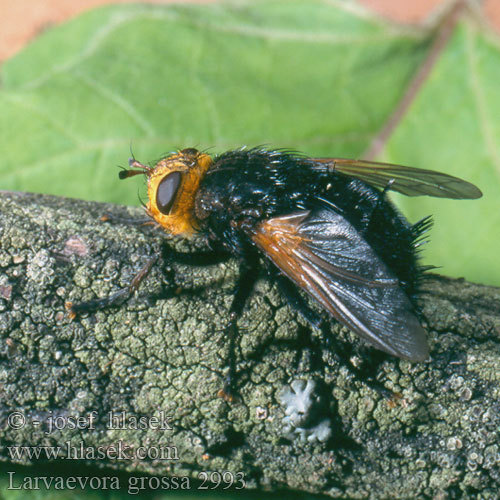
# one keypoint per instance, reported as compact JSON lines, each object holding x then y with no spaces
{"x":163,"y":354}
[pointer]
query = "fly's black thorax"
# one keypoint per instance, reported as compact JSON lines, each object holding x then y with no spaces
{"x":237,"y":193}
{"x":245,"y":187}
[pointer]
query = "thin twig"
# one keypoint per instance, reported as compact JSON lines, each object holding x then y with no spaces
{"x":444,"y":33}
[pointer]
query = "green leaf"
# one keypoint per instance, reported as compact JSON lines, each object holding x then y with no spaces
{"x":454,"y":126}
{"x":319,"y":77}
{"x":305,"y":75}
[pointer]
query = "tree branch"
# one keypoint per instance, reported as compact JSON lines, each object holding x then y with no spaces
{"x":162,"y":356}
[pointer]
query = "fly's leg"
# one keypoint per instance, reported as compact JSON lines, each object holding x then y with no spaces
{"x":122,"y":295}
{"x":244,"y":286}
{"x":114,"y":219}
{"x":200,"y":258}
{"x":342,"y":350}
{"x":115,"y":299}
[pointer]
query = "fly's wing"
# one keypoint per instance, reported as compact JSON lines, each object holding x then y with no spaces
{"x":325,"y":256}
{"x":406,"y":180}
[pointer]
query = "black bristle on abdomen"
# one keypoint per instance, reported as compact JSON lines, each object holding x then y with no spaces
{"x":420,"y":230}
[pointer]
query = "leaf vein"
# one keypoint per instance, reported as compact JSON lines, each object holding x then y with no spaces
{"x":117,"y":99}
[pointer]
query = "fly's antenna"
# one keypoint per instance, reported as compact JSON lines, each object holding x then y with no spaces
{"x":134,"y":164}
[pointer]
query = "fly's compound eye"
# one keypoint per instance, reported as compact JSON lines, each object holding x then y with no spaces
{"x":167,"y":189}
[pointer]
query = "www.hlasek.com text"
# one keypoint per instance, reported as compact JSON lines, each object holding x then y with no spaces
{"x":78,"y":451}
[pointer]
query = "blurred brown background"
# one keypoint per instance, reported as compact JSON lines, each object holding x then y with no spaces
{"x":22,"y":20}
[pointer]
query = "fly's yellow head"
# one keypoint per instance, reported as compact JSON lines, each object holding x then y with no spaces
{"x":172,"y":186}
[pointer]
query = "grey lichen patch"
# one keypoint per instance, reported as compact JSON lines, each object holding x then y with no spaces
{"x":165,"y":350}
{"x":303,"y":408}
{"x":40,"y":269}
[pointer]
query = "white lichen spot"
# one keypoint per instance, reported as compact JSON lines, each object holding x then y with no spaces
{"x":301,"y":400}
